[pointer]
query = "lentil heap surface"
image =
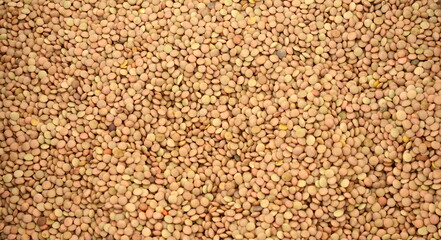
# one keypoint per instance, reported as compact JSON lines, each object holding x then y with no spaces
{"x":302,"y":119}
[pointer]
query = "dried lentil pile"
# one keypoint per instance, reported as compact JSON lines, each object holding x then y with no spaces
{"x":303,"y":119}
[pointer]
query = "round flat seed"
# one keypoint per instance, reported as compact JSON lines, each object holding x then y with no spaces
{"x":28,"y":157}
{"x":297,"y":205}
{"x":344,"y":183}
{"x":300,"y":132}
{"x":401,"y":115}
{"x":130,"y":207}
{"x":407,"y":157}
{"x":338,"y":213}
{"x":14,"y":116}
{"x":7,"y":178}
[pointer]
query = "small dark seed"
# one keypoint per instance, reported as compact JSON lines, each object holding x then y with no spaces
{"x":41,"y":221}
{"x":75,"y":84}
{"x":111,"y":127}
{"x":415,"y":62}
{"x":384,"y":108}
{"x":281,"y":53}
{"x":122,"y":40}
{"x":110,"y":237}
{"x":257,"y":208}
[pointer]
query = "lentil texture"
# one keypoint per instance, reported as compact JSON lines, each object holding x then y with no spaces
{"x":226,"y":119}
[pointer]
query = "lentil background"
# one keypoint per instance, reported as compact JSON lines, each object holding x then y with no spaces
{"x":302,"y":119}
